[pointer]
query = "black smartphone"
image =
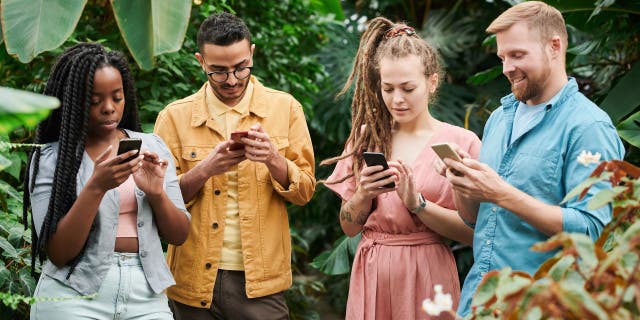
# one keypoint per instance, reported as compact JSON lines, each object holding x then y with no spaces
{"x":378,"y":159}
{"x":127,"y":145}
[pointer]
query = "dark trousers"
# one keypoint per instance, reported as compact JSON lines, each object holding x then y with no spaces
{"x":231,"y":302}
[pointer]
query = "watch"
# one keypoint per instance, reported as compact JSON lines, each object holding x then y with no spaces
{"x":421,"y":204}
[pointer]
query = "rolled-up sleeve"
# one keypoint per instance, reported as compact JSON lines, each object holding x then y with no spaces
{"x":300,"y":161}
{"x":599,"y":137}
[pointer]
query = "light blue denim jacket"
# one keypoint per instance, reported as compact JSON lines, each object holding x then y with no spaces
{"x":96,"y":261}
{"x":542,"y":163}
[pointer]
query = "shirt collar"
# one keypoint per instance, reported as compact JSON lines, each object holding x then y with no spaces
{"x":214,"y":105}
{"x":257,"y":103}
{"x":567,"y":90}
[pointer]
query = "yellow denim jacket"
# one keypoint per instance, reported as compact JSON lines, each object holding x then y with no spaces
{"x":191,"y":134}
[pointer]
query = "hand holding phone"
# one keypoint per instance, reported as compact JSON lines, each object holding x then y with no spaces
{"x":378,"y":159}
{"x":127,"y":145}
{"x":235,"y":137}
{"x":445,"y":150}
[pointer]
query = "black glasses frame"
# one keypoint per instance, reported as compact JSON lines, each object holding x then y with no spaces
{"x":226,"y":73}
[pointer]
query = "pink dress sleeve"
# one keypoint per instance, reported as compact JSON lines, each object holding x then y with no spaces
{"x":346,"y":188}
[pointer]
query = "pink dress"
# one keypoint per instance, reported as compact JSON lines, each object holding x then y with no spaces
{"x":399,"y":259}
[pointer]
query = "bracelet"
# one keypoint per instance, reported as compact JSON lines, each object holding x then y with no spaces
{"x":421,"y":204}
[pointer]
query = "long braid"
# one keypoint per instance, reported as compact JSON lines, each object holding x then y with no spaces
{"x":71,"y":81}
{"x":371,"y":122}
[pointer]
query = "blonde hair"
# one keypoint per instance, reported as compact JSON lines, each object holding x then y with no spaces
{"x":382,"y":39}
{"x":545,"y":19}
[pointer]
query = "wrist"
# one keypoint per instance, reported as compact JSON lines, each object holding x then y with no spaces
{"x":154,"y":196}
{"x":93,"y":189}
{"x":422,"y":203}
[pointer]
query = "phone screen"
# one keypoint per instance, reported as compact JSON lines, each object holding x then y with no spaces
{"x":127,"y":145}
{"x":377,"y":159}
{"x":445,"y":150}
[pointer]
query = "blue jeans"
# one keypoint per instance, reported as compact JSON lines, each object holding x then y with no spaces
{"x":124,"y":294}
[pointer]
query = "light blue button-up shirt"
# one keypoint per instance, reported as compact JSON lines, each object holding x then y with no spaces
{"x":542,"y":163}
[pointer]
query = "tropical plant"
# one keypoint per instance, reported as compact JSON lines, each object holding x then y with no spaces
{"x":150,"y":28}
{"x":18,"y":109}
{"x":584,"y":280}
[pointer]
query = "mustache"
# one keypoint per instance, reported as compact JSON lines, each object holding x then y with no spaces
{"x":226,"y":86}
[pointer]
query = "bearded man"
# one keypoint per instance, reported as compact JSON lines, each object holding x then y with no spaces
{"x":528,"y":162}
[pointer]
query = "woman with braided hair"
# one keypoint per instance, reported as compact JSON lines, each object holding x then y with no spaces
{"x":402,"y":254}
{"x":97,"y":216}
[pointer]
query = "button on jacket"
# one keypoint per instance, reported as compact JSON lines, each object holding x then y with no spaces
{"x":542,"y":163}
{"x":96,"y":261}
{"x":191,"y":134}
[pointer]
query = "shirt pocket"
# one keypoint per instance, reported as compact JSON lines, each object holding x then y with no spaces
{"x":191,"y":156}
{"x":536,"y":173}
{"x":262,"y":172}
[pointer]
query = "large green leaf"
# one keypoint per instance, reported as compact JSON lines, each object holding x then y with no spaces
{"x":604,"y":197}
{"x":31,"y":27}
{"x":8,"y":250}
{"x":485,"y":76}
{"x":629,"y":129}
{"x":337,"y":260}
{"x":19,"y":107}
{"x":625,"y":96}
{"x":152,"y":27}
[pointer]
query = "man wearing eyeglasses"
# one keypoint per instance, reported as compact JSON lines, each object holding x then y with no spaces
{"x":236,"y":262}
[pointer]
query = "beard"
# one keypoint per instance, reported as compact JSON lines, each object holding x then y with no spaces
{"x":534,"y":86}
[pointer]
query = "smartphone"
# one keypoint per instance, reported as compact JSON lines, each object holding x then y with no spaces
{"x":127,"y":145}
{"x":235,"y":136}
{"x":377,"y":159}
{"x":445,"y":150}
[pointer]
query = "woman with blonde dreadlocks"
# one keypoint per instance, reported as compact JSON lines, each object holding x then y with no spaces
{"x":402,"y":254}
{"x":98,"y":216}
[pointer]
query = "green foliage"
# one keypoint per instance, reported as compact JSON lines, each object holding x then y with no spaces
{"x":584,"y":280}
{"x":149,"y":27}
{"x":31,"y":27}
{"x":338,"y":260}
{"x":22,"y":108}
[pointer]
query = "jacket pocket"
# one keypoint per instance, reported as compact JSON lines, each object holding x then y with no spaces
{"x":191,"y":156}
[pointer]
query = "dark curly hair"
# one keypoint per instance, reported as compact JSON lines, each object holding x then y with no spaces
{"x":71,"y":81}
{"x":222,"y":29}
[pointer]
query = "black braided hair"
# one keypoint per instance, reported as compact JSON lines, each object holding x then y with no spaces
{"x":71,"y":81}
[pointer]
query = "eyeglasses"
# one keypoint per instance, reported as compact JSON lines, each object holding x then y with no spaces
{"x":240,"y":73}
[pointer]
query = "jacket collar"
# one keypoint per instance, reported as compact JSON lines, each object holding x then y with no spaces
{"x":257,"y":105}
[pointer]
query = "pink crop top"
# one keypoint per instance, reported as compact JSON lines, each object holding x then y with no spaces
{"x":127,"y":223}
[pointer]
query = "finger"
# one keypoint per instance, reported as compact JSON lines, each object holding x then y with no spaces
{"x":150,"y":156}
{"x":440,"y":167}
{"x":474,"y":164}
{"x":222,"y":146}
{"x":256,"y":127}
{"x":382,"y":183}
{"x":367,"y":171}
{"x":104,"y":155}
{"x":458,"y":166}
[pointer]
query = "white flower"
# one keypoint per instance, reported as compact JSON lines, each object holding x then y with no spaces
{"x":441,"y":302}
{"x":586,"y":158}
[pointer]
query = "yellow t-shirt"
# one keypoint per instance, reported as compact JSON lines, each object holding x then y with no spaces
{"x":228,"y":118}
